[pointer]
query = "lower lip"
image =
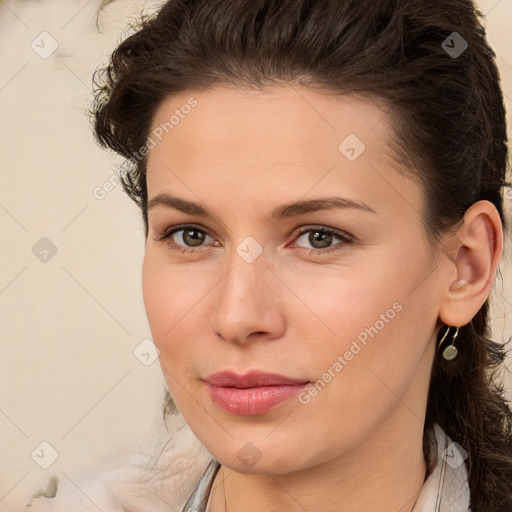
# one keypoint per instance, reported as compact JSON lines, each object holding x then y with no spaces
{"x":252,"y":401}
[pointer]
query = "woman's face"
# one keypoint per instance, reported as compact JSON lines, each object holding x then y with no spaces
{"x":304,"y":256}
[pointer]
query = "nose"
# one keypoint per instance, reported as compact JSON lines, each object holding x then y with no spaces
{"x":248,"y":303}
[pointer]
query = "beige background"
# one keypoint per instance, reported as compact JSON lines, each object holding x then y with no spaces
{"x":69,"y":325}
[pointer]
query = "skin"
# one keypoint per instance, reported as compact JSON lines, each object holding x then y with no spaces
{"x":242,"y":153}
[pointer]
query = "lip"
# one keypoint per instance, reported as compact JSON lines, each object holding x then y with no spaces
{"x":252,"y":379}
{"x":251,"y":394}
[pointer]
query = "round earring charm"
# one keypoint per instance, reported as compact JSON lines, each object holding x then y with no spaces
{"x":450,"y":353}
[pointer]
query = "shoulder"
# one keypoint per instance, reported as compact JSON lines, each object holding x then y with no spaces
{"x":160,"y":480}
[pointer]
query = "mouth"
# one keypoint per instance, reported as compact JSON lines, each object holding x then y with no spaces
{"x":253,"y":393}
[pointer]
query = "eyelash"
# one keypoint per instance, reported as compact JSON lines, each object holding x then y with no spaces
{"x":345,"y":239}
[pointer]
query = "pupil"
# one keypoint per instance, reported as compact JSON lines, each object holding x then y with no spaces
{"x":193,"y":240}
{"x":323,"y":238}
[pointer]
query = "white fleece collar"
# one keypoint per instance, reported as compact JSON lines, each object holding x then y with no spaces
{"x":164,"y":480}
{"x":446,"y":488}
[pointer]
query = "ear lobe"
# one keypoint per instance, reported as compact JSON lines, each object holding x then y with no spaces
{"x":471,"y":262}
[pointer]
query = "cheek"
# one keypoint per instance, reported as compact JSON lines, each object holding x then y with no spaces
{"x":176,"y":299}
{"x":163,"y":295}
{"x":368,"y":316}
{"x":155,"y":301}
{"x":333,"y":307}
{"x":165,"y":299}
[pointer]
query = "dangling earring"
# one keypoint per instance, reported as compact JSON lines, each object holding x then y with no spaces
{"x":450,"y":352}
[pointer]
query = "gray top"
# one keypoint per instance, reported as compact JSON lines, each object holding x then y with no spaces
{"x":199,"y":498}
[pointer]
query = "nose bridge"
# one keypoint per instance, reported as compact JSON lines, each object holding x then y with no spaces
{"x":246,"y":301}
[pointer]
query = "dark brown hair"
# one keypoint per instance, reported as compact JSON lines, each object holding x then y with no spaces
{"x":449,"y":124}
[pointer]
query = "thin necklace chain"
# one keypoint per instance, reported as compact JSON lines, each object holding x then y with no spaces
{"x":224,"y":489}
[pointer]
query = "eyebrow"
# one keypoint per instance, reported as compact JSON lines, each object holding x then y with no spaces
{"x":281,"y":212}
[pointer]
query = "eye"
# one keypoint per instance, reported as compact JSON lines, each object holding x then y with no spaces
{"x":190,"y":239}
{"x":184,"y":238}
{"x":321,"y":238}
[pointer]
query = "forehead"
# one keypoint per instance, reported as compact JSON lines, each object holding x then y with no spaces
{"x":277,"y":142}
{"x":294,"y":110}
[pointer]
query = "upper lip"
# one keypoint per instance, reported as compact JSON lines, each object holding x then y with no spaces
{"x":254,"y":378}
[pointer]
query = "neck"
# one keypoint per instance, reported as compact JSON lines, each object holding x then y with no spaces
{"x":385,"y":473}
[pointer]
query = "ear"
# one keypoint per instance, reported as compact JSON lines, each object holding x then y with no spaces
{"x":472,"y":257}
